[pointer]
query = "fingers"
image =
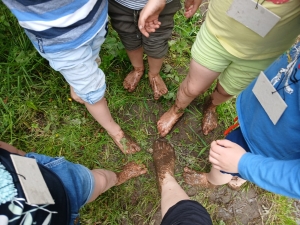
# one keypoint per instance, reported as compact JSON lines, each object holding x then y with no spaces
{"x":225,"y":143}
{"x":143,"y":30}
{"x":190,"y":7}
{"x":216,"y":167}
{"x":189,"y":12}
{"x":188,"y":4}
{"x":149,"y":27}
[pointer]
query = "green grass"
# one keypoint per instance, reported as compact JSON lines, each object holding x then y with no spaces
{"x":36,"y":114}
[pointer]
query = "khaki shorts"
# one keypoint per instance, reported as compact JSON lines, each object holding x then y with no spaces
{"x":125,"y":23}
{"x":236,"y":74}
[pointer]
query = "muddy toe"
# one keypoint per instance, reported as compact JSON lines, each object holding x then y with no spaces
{"x":158,"y":86}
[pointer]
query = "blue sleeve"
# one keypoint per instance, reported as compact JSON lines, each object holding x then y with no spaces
{"x":278,"y":176}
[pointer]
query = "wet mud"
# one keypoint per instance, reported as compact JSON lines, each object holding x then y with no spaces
{"x":132,"y":79}
{"x":130,"y":170}
{"x":164,"y":160}
{"x":158,"y":86}
{"x":210,"y":117}
{"x":195,"y":178}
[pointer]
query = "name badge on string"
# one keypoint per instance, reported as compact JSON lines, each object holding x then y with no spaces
{"x":32,"y":181}
{"x":269,"y":98}
{"x":253,"y":15}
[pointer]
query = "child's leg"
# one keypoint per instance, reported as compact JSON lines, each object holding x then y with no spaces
{"x":217,"y":178}
{"x":74,"y":96}
{"x":164,"y":163}
{"x":171,"y":193}
{"x":101,"y":113}
{"x":210,"y":117}
{"x":157,"y":84}
{"x":197,"y":82}
{"x":105,"y":179}
{"x":156,"y":47}
{"x":125,"y":22}
{"x":132,"y":79}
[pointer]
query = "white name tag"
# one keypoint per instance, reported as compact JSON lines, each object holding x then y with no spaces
{"x":253,"y":15}
{"x":269,"y":98}
{"x":32,"y":181}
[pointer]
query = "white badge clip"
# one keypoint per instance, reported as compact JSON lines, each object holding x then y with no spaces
{"x":253,"y":15}
{"x":32,"y":181}
{"x":269,"y":98}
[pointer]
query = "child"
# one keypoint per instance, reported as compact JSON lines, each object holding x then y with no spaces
{"x":71,"y":186}
{"x":260,"y":151}
{"x":229,"y":51}
{"x":124,"y":19}
{"x":69,"y":35}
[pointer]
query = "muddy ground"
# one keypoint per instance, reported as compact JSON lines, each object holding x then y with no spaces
{"x":250,"y":205}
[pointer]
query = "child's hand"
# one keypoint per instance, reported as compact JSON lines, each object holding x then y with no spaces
{"x":148,"y":20}
{"x":225,"y":155}
{"x":190,"y":7}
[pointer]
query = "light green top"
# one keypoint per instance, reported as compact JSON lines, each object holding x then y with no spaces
{"x":245,"y":43}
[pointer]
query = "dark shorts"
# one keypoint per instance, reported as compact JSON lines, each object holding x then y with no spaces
{"x":125,"y":23}
{"x":237,"y":137}
{"x":187,"y":212}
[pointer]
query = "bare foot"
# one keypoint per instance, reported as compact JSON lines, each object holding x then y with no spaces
{"x":195,"y":178}
{"x":133,"y":78}
{"x":158,"y":86}
{"x":168,"y":120}
{"x":130,"y":170}
{"x":75,"y":96}
{"x":164,"y":160}
{"x":210,"y":117}
{"x":125,"y":143}
{"x":236,"y":182}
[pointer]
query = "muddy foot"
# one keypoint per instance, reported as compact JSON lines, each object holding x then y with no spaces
{"x":210,"y":117}
{"x":158,"y":86}
{"x":235,"y":183}
{"x":125,"y":143}
{"x":164,"y":160}
{"x":195,"y":178}
{"x":130,"y":170}
{"x":168,"y":120}
{"x":132,"y":79}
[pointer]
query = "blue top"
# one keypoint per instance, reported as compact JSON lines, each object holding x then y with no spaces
{"x":274,"y":161}
{"x":57,"y":25}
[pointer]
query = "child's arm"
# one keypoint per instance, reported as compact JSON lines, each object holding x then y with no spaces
{"x":11,"y":148}
{"x":278,"y":176}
